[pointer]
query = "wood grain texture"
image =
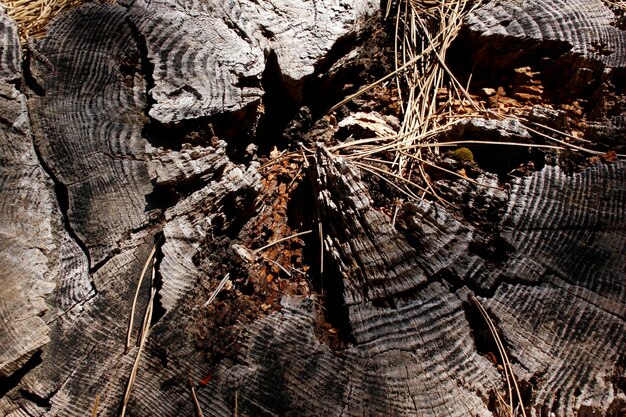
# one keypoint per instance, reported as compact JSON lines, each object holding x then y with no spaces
{"x":377,"y":262}
{"x":89,"y":123}
{"x":564,"y":342}
{"x":576,"y":229}
{"x":98,"y":77}
{"x":110,"y":82}
{"x":95,"y":69}
{"x":569,"y":234}
{"x":408,"y":357}
{"x":567,"y":230}
{"x":171,"y":356}
{"x":302,"y":33}
{"x":26,"y":208}
{"x":91,"y":338}
{"x":287,"y":371}
{"x":569,"y":347}
{"x":585,"y":27}
{"x":10,"y":53}
{"x":209,"y":56}
{"x":203,"y":65}
{"x":193,"y":222}
{"x":191,"y":163}
{"x":560,"y":246}
{"x":37,"y":256}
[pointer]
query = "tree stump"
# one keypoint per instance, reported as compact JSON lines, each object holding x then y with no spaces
{"x":135,"y":128}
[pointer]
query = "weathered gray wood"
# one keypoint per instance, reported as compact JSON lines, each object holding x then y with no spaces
{"x":95,"y":69}
{"x":192,"y":223}
{"x":558,"y":350}
{"x":429,"y":368}
{"x":569,"y":235}
{"x":565,"y":239}
{"x":103,"y":72}
{"x":27,"y":220}
{"x":571,"y":348}
{"x":209,"y":57}
{"x":38,"y":256}
{"x":584,"y":27}
{"x":89,"y":131}
{"x":377,"y":262}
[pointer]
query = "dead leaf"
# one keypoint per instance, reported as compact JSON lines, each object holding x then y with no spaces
{"x":610,"y":156}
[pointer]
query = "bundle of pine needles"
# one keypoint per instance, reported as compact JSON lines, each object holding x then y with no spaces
{"x":432,"y":99}
{"x":32,"y":16}
{"x":425,"y":30}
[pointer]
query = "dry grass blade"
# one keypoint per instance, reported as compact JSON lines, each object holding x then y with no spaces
{"x":96,"y":405}
{"x":320,"y":233}
{"x":287,"y":155}
{"x":435,"y":24}
{"x":456,"y":174}
{"x":563,"y":143}
{"x":424,"y":32}
{"x":502,"y":406}
{"x":553,"y":130}
{"x":527,"y":123}
{"x":132,"y":311}
{"x":282,"y":268}
{"x":380,"y":144}
{"x":194,"y":397}
{"x":487,"y":142}
{"x":432,"y":98}
{"x":145,"y":330}
{"x":369,"y":87}
{"x":499,"y":346}
{"x":295,"y":177}
{"x":269,"y":245}
{"x":217,"y":290}
{"x":382,"y":174}
{"x":508,"y":369}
